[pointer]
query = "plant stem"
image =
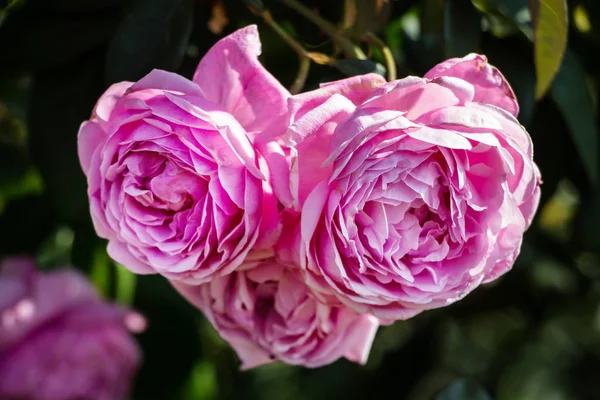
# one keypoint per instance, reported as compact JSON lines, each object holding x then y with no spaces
{"x":301,"y":76}
{"x":349,"y":48}
{"x":390,"y":63}
{"x":349,"y":14}
{"x":303,"y":56}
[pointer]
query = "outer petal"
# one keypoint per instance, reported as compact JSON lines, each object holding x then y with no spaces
{"x":231,"y":76}
{"x":118,"y":251}
{"x":355,"y":89}
{"x":107,"y":101}
{"x":361,"y":338}
{"x":490,"y":85}
{"x":91,"y":136}
{"x":163,"y":80}
{"x":278,"y":167}
{"x":310,"y":136}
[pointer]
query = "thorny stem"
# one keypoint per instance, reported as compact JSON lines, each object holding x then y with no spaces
{"x":349,"y":49}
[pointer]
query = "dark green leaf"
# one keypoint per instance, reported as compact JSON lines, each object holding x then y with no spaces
{"x":550,"y":23}
{"x":510,"y":8}
{"x":572,"y":95}
{"x":154,"y":34}
{"x":514,"y":58}
{"x":172,"y":322}
{"x":463,"y":389}
{"x":430,"y":49}
{"x":13,"y":163}
{"x":462,"y":28}
{"x":62,"y":98}
{"x":24,"y":225}
{"x":359,"y":67}
{"x":258,"y":5}
{"x":36,"y":42}
{"x":78,"y":6}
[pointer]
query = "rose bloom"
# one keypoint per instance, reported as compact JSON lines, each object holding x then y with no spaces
{"x":175,"y":179}
{"x":58,"y":341}
{"x":412,"y":192}
{"x":266,"y":313}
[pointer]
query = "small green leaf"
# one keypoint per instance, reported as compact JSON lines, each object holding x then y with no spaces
{"x":462,"y":28}
{"x":359,"y":67}
{"x":463,"y":389}
{"x":550,"y":22}
{"x":572,"y":95}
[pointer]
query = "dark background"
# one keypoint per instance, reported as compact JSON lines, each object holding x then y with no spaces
{"x":533,"y":334}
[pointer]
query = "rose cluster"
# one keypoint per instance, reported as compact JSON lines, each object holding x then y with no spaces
{"x":298,"y":224}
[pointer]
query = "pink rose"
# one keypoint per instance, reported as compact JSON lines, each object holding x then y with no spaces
{"x":58,"y":341}
{"x":175,"y":179}
{"x":412,"y":192}
{"x":266,"y":313}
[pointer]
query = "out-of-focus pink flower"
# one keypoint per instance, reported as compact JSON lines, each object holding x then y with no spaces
{"x":412,"y":192}
{"x":183,"y":176}
{"x":266,"y":313}
{"x":59,"y":341}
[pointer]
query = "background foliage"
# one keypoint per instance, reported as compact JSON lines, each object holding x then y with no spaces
{"x":534,"y":334}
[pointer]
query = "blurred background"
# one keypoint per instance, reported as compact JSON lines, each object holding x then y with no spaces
{"x":533,"y":334}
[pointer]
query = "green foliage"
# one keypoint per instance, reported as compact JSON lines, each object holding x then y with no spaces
{"x":550,"y":23}
{"x":534,"y":334}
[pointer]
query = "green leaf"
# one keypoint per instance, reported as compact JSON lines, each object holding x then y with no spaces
{"x":550,"y":23}
{"x":25,"y":224}
{"x":572,"y":95}
{"x":155,"y":34}
{"x":256,"y":4}
{"x":359,"y":67}
{"x":462,"y":28}
{"x":172,"y":320}
{"x":36,"y":42}
{"x":430,"y":45}
{"x":463,"y":389}
{"x":61,"y":99}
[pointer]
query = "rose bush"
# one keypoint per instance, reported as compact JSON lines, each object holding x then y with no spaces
{"x":412,"y":192}
{"x":58,"y":341}
{"x":175,"y":179}
{"x":266,"y":313}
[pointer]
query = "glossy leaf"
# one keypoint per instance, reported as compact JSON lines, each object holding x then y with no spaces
{"x":550,"y":22}
{"x":36,"y":42}
{"x":462,"y":28}
{"x":572,"y":95}
{"x":62,"y":98}
{"x":154,"y":34}
{"x":359,"y":67}
{"x":463,"y":389}
{"x":24,"y":224}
